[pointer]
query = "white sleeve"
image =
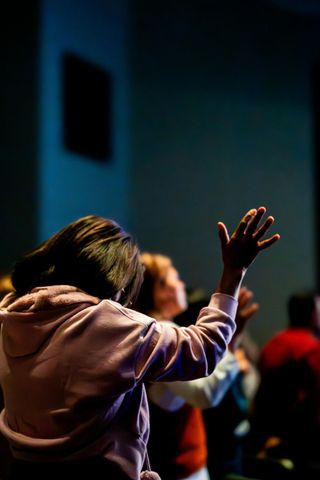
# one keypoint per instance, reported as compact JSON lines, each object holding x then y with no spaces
{"x":203,"y":393}
{"x":161,"y":395}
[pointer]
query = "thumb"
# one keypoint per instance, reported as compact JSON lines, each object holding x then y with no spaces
{"x":223,"y":233}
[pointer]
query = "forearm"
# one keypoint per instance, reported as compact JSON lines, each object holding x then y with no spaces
{"x":231,"y":281}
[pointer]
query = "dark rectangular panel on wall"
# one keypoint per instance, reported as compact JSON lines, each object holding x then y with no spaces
{"x":316,"y":105}
{"x":86,"y":108}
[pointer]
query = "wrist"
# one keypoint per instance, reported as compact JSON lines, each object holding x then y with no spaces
{"x":231,"y":281}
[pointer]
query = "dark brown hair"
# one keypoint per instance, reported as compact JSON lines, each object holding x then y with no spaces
{"x":93,"y":253}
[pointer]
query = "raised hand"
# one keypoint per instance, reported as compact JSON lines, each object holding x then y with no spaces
{"x":240,"y":250}
{"x":246,"y":310}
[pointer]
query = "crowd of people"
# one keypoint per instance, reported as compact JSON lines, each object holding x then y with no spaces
{"x":258,"y":412}
{"x":107,"y":371}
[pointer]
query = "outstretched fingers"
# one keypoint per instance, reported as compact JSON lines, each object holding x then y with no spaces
{"x":248,"y":229}
{"x":243,"y":225}
{"x":264,"y":228}
{"x":268,"y":242}
{"x":256,"y":220}
{"x":241,"y":249}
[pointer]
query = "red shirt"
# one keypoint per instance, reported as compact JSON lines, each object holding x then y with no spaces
{"x":177,"y":445}
{"x":291,"y":344}
{"x":282,"y":398}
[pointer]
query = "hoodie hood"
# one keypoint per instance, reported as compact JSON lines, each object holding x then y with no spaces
{"x":29,"y":320}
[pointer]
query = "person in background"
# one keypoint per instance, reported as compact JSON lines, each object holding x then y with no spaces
{"x":280,"y":415}
{"x":177,"y":444}
{"x":74,"y":357}
{"x":228,"y":423}
{"x":311,"y":414}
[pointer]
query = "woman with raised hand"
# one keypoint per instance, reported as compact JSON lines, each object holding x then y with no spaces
{"x":74,"y":358}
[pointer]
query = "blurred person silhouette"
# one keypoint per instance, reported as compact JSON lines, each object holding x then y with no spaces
{"x":74,"y":358}
{"x":309,"y":416}
{"x":177,"y":444}
{"x":280,"y":409}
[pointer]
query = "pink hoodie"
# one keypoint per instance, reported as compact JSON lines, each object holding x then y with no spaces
{"x":73,"y":367}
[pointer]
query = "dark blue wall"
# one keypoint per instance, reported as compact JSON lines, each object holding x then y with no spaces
{"x":223,"y":121}
{"x":212,"y":115}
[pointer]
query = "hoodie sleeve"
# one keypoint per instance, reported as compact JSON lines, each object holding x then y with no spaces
{"x":170,"y":353}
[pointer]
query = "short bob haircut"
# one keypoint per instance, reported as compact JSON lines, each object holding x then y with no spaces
{"x":156,"y":268}
{"x":93,"y":254}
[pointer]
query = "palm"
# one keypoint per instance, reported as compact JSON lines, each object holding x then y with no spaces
{"x":239,"y":250}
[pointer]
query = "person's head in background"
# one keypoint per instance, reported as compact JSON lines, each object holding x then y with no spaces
{"x":93,"y":254}
{"x":304,"y":312}
{"x":163,"y":294}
